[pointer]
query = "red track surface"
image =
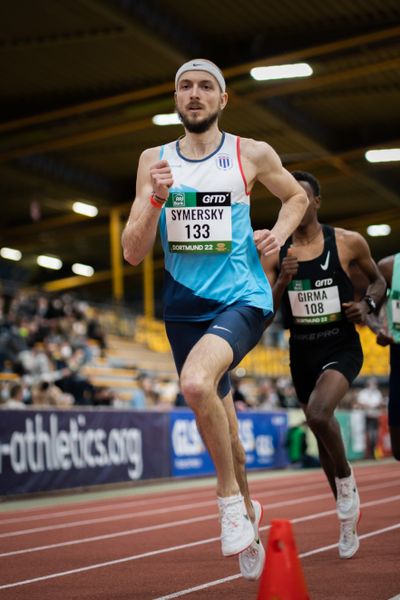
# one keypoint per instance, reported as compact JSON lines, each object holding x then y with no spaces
{"x":166,"y":544}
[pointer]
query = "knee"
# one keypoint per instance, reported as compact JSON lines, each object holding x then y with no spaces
{"x":195,"y":388}
{"x":317,"y":420}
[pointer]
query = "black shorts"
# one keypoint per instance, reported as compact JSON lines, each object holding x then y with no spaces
{"x":241,"y":326}
{"x":308,"y":360}
{"x":394,"y":386}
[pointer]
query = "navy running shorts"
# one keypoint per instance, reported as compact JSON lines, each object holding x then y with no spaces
{"x":241,"y":326}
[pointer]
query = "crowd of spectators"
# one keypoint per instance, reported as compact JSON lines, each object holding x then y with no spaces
{"x":47,"y":340}
{"x":44,"y":344}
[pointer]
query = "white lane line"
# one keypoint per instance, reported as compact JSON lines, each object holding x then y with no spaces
{"x":184,"y":547}
{"x":108,"y":536}
{"x":158,"y":511}
{"x":361,"y":478}
{"x":134,"y":504}
{"x":303,"y":555}
{"x":171,"y":509}
{"x":106,"y":564}
{"x":124,"y":533}
{"x":115,"y":506}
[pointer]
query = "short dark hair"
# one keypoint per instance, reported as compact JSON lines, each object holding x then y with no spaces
{"x":313,"y":181}
{"x":15,"y":389}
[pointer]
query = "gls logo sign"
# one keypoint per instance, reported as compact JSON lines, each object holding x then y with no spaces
{"x":214,"y":199}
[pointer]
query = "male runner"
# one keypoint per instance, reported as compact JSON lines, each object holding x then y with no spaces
{"x":318,"y":306}
{"x":216,"y":296}
{"x":387,"y":328}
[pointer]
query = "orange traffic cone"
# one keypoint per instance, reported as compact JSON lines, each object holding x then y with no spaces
{"x":282,"y":578}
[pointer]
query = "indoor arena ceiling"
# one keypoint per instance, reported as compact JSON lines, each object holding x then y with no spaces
{"x":82,"y":79}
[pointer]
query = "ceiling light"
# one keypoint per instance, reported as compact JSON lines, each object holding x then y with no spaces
{"x":85,"y":209}
{"x":10,"y":254}
{"x":383,"y":155}
{"x":281,"y":71}
{"x":379,"y":230}
{"x":85,"y":270}
{"x":167,"y":119}
{"x":49,"y":262}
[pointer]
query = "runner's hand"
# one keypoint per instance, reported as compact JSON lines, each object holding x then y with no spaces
{"x":383,"y":338}
{"x":355,"y":312}
{"x":266,"y":242}
{"x":289,"y":267}
{"x":161,"y":178}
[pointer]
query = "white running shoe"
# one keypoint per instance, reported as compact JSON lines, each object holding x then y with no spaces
{"x":237,"y":531}
{"x":252,"y":559}
{"x":348,"y":540}
{"x":348,"y":511}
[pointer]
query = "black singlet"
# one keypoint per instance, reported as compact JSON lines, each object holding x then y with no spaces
{"x":312,"y":303}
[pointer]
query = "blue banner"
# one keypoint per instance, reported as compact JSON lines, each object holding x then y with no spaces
{"x":51,"y":450}
{"x":262,"y":434}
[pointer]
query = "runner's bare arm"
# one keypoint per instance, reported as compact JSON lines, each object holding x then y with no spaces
{"x":140,"y":231}
{"x":357,"y":250}
{"x":279,"y":277}
{"x":261,"y":163}
{"x":378,"y":323}
{"x":386,"y":266}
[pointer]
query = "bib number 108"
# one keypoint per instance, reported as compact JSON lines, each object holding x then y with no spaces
{"x":315,"y":308}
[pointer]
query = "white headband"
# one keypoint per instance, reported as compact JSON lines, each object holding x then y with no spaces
{"x":201,"y":65}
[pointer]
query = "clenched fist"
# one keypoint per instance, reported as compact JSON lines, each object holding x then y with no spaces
{"x":161,"y":178}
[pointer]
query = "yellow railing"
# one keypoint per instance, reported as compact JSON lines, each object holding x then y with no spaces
{"x":152,"y":333}
{"x":376,"y":358}
{"x":269,"y":361}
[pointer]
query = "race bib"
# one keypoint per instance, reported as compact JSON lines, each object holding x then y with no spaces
{"x":199,"y":222}
{"x":313,"y":306}
{"x":396,"y":313}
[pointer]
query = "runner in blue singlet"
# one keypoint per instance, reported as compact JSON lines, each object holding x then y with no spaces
{"x":216,"y":297}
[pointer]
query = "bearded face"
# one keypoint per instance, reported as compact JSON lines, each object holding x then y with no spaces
{"x":196,"y":124}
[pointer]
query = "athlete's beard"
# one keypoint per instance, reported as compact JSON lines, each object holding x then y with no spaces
{"x":198,"y":126}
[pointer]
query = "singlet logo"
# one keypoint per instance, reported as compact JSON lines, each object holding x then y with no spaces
{"x":323,"y":282}
{"x":213,"y":198}
{"x":224,"y":162}
{"x":325,"y":265}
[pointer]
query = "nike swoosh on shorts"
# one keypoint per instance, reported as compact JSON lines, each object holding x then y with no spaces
{"x":219,"y":327}
{"x":334,"y":362}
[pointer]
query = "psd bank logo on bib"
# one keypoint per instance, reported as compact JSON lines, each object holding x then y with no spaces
{"x":178,"y":199}
{"x":224,"y":162}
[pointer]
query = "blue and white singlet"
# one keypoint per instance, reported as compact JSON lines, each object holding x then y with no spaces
{"x":211,"y":261}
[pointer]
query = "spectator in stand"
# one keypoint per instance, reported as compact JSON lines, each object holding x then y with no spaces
{"x":239,"y":398}
{"x":296,"y":444}
{"x":95,"y":332}
{"x":287,"y":393}
{"x":139,"y":400}
{"x":16,"y":397}
{"x":48,"y":394}
{"x":370,"y":400}
{"x":268,"y":398}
